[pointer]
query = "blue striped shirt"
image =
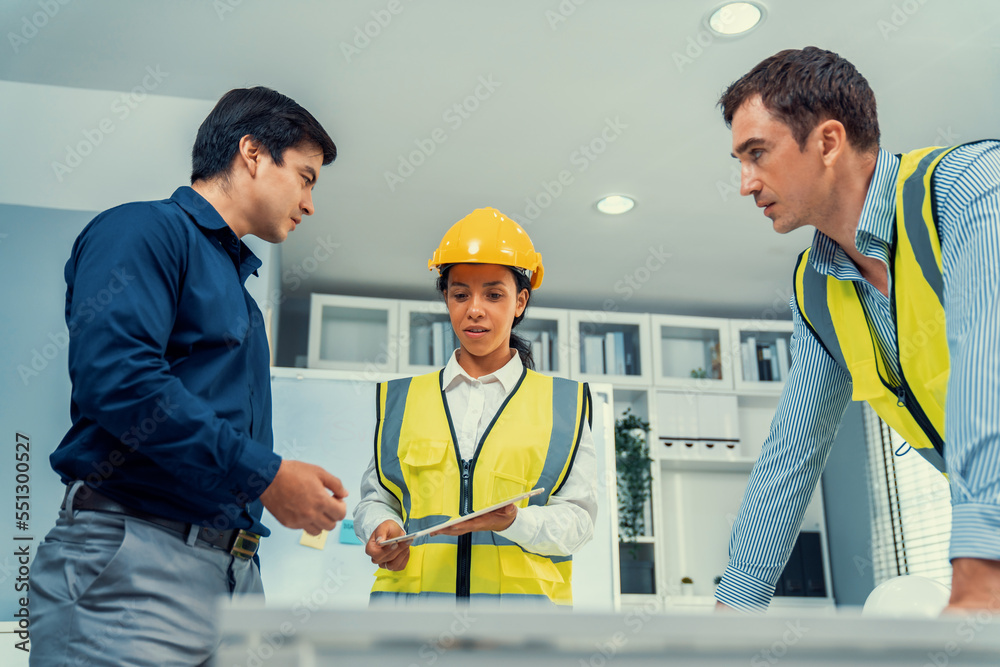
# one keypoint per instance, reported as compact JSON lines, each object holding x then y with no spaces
{"x":967,"y":191}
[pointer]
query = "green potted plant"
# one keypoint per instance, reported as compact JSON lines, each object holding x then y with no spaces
{"x":634,"y":479}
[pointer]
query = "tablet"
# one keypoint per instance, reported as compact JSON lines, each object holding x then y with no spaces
{"x":460,"y":519}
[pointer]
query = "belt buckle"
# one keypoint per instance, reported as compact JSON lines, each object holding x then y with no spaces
{"x":245,"y":544}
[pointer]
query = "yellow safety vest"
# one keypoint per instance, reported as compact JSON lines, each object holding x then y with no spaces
{"x":832,"y":310}
{"x":531,"y":443}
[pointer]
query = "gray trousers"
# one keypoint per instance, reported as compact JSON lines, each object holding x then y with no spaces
{"x":107,"y":589}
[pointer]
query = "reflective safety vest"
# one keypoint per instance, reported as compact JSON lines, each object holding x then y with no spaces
{"x":832,"y":310}
{"x":531,"y":443}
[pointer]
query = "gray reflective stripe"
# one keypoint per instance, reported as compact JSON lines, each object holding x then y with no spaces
{"x":917,"y":230}
{"x":561,"y":440}
{"x":479,"y":538}
{"x":392,"y":424}
{"x":501,"y":541}
{"x":818,"y":312}
{"x":389,"y":598}
{"x":932,"y":456}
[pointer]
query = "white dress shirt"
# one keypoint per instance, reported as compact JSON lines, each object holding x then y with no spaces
{"x":559,"y":528}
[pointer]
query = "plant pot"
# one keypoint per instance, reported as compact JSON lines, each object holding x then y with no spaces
{"x":637,"y":577}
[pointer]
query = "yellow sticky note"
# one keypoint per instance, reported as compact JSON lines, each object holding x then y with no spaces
{"x":314,"y":541}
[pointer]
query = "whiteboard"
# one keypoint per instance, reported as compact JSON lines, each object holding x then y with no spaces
{"x":331,"y":422}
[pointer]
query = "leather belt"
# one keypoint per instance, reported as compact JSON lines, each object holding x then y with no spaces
{"x":238,"y":542}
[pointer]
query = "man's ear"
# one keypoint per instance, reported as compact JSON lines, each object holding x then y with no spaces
{"x":249,"y":154}
{"x":832,"y":139}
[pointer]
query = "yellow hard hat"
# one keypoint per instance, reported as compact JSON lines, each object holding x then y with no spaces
{"x":487,"y":236}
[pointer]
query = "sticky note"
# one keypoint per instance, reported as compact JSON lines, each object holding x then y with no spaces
{"x":314,"y":541}
{"x":347,"y":535}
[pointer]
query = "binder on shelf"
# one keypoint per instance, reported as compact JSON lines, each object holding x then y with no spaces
{"x":620,"y":365}
{"x":783,"y":357}
{"x":536,"y":354}
{"x":610,"y":360}
{"x":812,"y":565}
{"x":423,"y":349}
{"x":437,"y":336}
{"x":546,"y":356}
{"x":792,"y":576}
{"x":593,"y":354}
{"x":764,"y":356}
{"x":751,"y":361}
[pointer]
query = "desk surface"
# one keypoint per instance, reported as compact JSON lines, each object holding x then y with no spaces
{"x":301,"y":636}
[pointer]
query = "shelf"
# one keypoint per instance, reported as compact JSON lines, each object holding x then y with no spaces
{"x":353,"y":333}
{"x":707,"y":465}
{"x":688,"y":353}
{"x":610,"y":348}
{"x":760,"y":352}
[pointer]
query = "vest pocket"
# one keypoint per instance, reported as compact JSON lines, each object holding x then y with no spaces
{"x":504,"y":486}
{"x":406,"y":580}
{"x":424,"y":474}
{"x":520,"y":566}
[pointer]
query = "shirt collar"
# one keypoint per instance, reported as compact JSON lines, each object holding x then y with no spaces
{"x":507,"y":376}
{"x":205,"y":216}
{"x":876,"y":228}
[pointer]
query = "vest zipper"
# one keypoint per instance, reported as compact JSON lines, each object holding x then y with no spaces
{"x":904,"y":397}
{"x":463,"y":581}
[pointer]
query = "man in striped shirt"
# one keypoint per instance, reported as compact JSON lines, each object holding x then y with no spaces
{"x":897,"y":303}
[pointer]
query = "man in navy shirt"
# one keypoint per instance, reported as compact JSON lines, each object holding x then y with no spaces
{"x":170,"y":459}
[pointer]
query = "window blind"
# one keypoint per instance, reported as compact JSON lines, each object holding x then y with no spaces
{"x":910,"y":508}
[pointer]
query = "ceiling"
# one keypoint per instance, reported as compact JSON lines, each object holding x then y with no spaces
{"x":560,"y":72}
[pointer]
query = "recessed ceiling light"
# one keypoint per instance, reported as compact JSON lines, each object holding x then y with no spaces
{"x":615,"y":204}
{"x":735,"y":18}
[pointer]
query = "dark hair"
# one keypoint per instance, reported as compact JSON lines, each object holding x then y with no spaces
{"x":522,"y":282}
{"x":276,"y":121}
{"x":802,"y":88}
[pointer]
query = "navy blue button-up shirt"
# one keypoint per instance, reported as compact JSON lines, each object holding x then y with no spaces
{"x":171,"y":402}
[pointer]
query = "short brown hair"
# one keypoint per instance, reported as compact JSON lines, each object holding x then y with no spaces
{"x":804,"y":87}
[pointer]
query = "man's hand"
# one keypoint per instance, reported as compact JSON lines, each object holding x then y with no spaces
{"x":392,"y":556}
{"x":300,"y":497}
{"x":497,"y":520}
{"x":975,"y":585}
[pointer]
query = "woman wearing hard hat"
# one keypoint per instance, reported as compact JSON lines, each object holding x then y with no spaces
{"x":482,"y":430}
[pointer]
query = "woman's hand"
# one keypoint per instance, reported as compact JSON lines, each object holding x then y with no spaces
{"x":392,"y":556}
{"x":497,"y":520}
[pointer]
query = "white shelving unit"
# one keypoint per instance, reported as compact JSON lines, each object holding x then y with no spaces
{"x":353,"y":333}
{"x":610,"y":347}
